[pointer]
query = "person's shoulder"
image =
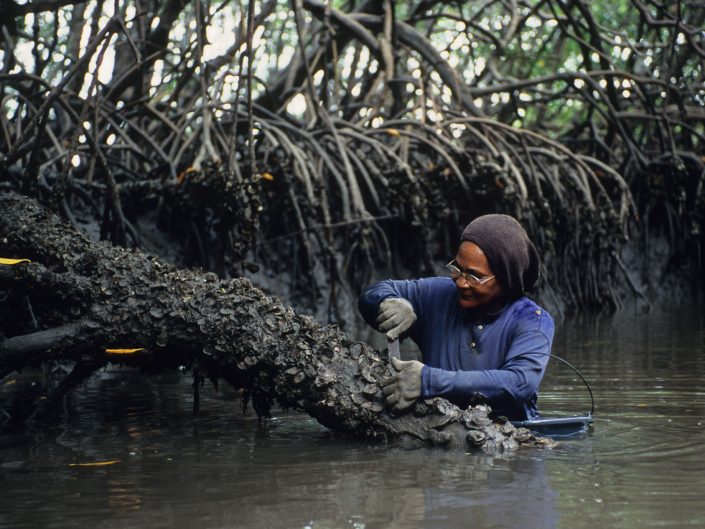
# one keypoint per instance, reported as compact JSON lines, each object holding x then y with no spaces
{"x":526,"y":306}
{"x":526,"y":312}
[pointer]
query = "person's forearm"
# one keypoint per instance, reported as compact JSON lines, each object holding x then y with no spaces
{"x":500,"y":386}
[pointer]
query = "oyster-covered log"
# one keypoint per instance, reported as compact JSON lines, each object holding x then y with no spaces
{"x":95,"y":303}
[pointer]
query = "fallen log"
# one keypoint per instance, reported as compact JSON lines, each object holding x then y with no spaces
{"x":95,"y":304}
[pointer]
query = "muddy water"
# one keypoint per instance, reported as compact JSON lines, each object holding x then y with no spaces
{"x":642,"y":465}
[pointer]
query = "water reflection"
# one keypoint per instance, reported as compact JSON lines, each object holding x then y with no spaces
{"x":639,"y":467}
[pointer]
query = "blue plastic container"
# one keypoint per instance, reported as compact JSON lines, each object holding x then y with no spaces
{"x":558,"y":426}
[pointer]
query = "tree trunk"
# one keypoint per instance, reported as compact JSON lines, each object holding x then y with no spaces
{"x":92,"y":301}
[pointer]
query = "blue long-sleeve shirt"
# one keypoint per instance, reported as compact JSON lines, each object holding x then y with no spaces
{"x":503,"y":357}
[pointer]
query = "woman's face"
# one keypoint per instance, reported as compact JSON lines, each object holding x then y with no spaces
{"x":487,"y":296}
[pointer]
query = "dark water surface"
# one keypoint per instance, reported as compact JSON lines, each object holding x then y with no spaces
{"x":641,"y":466}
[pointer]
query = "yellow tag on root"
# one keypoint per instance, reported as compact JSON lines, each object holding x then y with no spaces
{"x":4,"y":261}
{"x":182,"y":175}
{"x":393,"y":132}
{"x":124,"y":351}
{"x":95,"y":464}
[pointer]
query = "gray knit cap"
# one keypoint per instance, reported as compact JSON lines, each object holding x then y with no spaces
{"x":511,"y":255}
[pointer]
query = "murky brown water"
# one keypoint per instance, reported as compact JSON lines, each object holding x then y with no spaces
{"x":642,"y":466}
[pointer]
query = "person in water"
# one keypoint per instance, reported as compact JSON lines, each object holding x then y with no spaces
{"x":480,"y":337}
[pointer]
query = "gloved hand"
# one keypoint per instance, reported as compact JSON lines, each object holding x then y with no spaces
{"x":403,"y":388}
{"x":395,"y":316}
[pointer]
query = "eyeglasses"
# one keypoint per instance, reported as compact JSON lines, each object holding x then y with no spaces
{"x":471,"y":279}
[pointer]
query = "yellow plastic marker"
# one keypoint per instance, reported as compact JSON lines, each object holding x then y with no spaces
{"x":182,"y":175}
{"x":4,"y":261}
{"x":267,"y":176}
{"x":95,"y":463}
{"x":393,"y":132}
{"x":123,"y":351}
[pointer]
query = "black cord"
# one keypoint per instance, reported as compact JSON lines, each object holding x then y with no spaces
{"x":575,"y":369}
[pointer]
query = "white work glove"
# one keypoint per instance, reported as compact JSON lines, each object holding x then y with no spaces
{"x":395,"y":316}
{"x":402,"y":389}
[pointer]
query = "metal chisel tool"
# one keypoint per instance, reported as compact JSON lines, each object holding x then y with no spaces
{"x":393,"y":348}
